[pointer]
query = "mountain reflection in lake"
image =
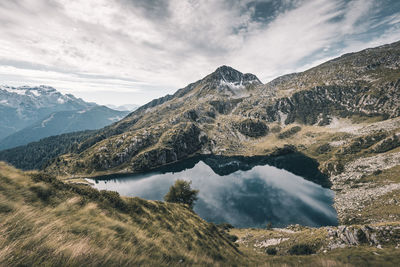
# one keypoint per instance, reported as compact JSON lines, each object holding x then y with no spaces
{"x":249,"y":198}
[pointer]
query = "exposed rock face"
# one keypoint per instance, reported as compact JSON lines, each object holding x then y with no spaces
{"x":319,"y":104}
{"x":345,"y":236}
{"x":178,"y":143}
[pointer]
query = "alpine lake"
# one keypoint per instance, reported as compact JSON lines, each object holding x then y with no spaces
{"x":243,"y":191}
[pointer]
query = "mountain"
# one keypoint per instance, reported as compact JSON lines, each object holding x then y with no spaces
{"x":343,"y":114}
{"x":127,"y":107}
{"x":23,"y":106}
{"x":32,"y":113}
{"x":63,"y":122}
{"x":231,"y":113}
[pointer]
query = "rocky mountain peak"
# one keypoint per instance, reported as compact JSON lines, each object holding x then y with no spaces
{"x":228,"y":74}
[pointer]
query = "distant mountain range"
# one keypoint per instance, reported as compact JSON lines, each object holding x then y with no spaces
{"x":127,"y":107}
{"x":28,"y":114}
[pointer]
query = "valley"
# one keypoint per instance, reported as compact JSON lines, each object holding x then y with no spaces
{"x":336,"y":125}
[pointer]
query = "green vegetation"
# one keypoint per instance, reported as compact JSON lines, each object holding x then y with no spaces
{"x":271,"y":251}
{"x":288,"y":133}
{"x":301,"y":249}
{"x":252,"y":128}
{"x":36,"y":155}
{"x":182,"y":193}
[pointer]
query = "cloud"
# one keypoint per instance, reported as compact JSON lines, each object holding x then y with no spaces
{"x":166,"y":44}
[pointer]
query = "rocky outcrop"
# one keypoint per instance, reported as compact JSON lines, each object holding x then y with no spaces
{"x":345,"y":236}
{"x":351,"y":196}
{"x":388,"y":144}
{"x":319,"y":104}
{"x":178,"y":143}
{"x":363,"y":142}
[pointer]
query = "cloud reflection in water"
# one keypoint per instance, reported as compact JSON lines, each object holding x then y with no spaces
{"x":243,"y":198}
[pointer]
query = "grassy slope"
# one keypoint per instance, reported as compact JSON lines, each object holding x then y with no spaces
{"x":46,"y":222}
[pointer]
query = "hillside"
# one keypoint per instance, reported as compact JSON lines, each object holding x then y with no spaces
{"x":46,"y":222}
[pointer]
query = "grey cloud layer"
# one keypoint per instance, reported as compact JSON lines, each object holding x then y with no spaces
{"x":149,"y":48}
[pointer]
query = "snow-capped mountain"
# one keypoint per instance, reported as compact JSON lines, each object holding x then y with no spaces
{"x":24,"y":107}
{"x":39,"y":97}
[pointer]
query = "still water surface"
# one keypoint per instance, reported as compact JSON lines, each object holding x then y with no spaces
{"x":244,"y":198}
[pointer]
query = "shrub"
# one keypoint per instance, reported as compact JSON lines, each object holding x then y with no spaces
{"x":324,"y":148}
{"x":290,"y":132}
{"x":362,"y":237}
{"x":231,"y":238}
{"x":5,"y":208}
{"x":225,"y":226}
{"x":377,"y":172}
{"x":252,"y":128}
{"x":181,"y":192}
{"x":42,"y":192}
{"x":301,"y":249}
{"x":271,"y":251}
{"x":276,"y":129}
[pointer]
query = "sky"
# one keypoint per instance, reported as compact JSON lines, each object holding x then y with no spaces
{"x":132,"y":51}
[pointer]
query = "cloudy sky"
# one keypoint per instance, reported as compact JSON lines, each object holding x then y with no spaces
{"x":131,"y":51}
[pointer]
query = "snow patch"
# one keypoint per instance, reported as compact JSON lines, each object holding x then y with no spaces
{"x":35,"y":92}
{"x":14,"y":90}
{"x":60,"y":100}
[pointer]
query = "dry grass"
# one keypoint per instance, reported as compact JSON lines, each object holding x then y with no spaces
{"x":68,"y":225}
{"x":75,"y":225}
